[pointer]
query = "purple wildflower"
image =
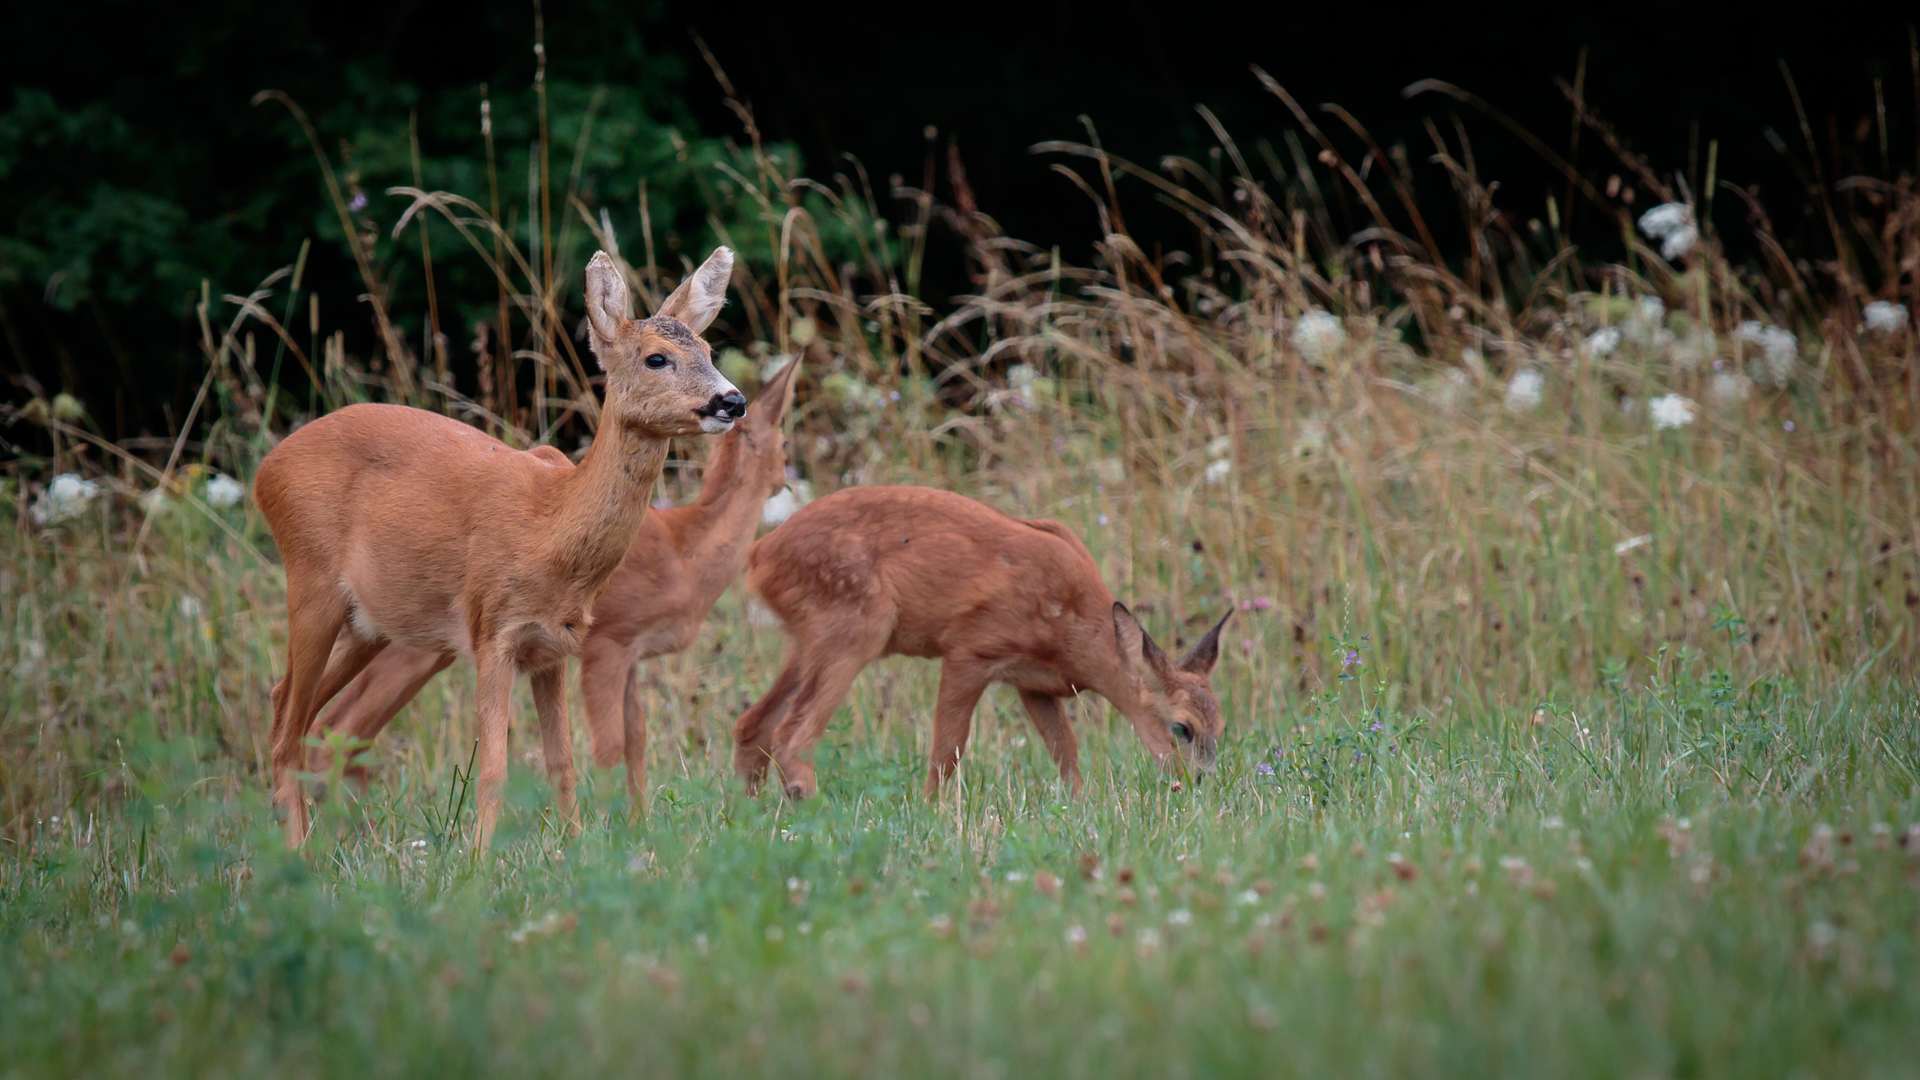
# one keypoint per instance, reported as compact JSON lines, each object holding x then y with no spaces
{"x":1264,"y":769}
{"x":358,"y":202}
{"x":1377,"y":725}
{"x":1262,"y":603}
{"x":1351,"y":659}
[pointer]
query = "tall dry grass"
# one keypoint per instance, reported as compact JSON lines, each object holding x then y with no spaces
{"x":1308,"y":410}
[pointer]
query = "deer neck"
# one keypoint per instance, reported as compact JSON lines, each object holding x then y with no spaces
{"x":603,"y":503}
{"x":720,"y":525}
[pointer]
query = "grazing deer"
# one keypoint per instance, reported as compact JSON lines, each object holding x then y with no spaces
{"x":409,"y":527}
{"x":869,"y":572}
{"x":678,"y":566}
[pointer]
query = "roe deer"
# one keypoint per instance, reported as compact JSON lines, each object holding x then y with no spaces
{"x":405,"y":526}
{"x":869,"y":572}
{"x":678,"y":566}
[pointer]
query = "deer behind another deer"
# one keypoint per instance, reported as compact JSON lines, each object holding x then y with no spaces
{"x":869,"y":572}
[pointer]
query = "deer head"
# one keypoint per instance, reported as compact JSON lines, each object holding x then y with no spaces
{"x":1178,"y":694}
{"x":661,"y":381}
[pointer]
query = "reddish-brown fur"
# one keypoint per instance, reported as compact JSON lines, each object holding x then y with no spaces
{"x":678,"y":566}
{"x":400,"y":525}
{"x":878,"y":571}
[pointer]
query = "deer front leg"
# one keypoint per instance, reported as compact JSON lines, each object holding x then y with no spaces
{"x":961,"y":684}
{"x":556,"y":742}
{"x":1050,"y":720}
{"x":495,"y":695}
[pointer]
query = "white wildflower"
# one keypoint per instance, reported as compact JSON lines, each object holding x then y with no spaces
{"x":1524,"y":392}
{"x":786,"y":502}
{"x":1246,"y":898}
{"x":1672,"y":225}
{"x":1649,"y":310}
{"x":1632,"y":542}
{"x":1670,"y":411}
{"x":191,"y":607}
{"x":224,"y":491}
{"x":64,"y":499}
{"x":1318,"y":334}
{"x":1729,"y":388}
{"x":1218,"y":470}
{"x":1779,"y":350}
{"x":1885,"y":317}
{"x":1602,"y":342}
{"x":1180,"y":917}
{"x":152,"y":502}
{"x":1076,"y":935}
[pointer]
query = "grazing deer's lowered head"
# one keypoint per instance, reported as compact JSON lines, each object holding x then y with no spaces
{"x":661,"y":381}
{"x":1178,"y":694}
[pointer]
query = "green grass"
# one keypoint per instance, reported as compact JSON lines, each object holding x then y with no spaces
{"x":1701,"y":873}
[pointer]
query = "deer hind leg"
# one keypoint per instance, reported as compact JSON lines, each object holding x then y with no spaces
{"x":377,"y":695}
{"x":828,"y":677}
{"x":962,"y":681}
{"x":556,"y":742}
{"x":346,"y":666}
{"x":606,"y":667}
{"x":1050,"y":720}
{"x":753,"y":731}
{"x":315,"y":614}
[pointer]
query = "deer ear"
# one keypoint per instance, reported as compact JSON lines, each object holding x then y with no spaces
{"x":606,"y":301}
{"x":1136,"y":646}
{"x":775,"y":399}
{"x":698,"y":298}
{"x":1201,"y":660}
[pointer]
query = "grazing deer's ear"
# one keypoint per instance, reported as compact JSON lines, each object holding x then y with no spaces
{"x":775,"y":399}
{"x":698,"y":298}
{"x":606,"y":300}
{"x":1136,"y":646}
{"x":1201,"y":660}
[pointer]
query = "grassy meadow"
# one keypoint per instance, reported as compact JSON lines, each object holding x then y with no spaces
{"x":1565,"y":736}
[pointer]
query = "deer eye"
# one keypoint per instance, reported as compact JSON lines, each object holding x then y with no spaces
{"x":1183,"y":732}
{"x":656,"y":361}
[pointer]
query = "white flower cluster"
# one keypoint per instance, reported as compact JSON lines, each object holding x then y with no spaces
{"x":1779,"y":350}
{"x":1885,"y":317}
{"x":1670,"y":411}
{"x":1525,"y":391}
{"x":1602,"y":342}
{"x":1219,"y":459}
{"x":1672,"y":225}
{"x":1318,"y":334}
{"x":65,"y":498}
{"x":224,"y":491}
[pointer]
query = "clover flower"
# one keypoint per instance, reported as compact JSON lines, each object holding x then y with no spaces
{"x":65,"y":498}
{"x":1670,"y":411}
{"x":1602,"y":342}
{"x":1318,"y":334}
{"x":1524,"y":392}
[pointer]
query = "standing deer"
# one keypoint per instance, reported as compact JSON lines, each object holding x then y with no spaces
{"x":409,"y":527}
{"x":678,"y":566}
{"x":880,"y":571}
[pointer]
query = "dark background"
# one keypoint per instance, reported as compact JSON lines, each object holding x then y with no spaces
{"x":132,"y":165}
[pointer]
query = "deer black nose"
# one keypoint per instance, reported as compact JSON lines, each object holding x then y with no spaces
{"x":732,"y":403}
